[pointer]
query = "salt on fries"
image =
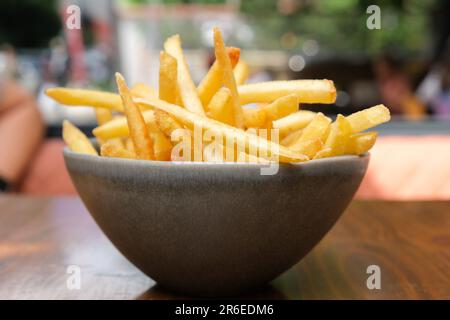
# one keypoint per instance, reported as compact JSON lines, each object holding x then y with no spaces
{"x":213,"y":119}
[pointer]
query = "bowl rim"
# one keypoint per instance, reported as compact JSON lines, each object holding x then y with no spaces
{"x":152,"y":163}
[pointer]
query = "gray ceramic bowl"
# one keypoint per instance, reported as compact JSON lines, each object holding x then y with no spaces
{"x":214,"y":229}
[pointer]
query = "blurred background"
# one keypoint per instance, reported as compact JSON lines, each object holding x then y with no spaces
{"x":405,"y":64}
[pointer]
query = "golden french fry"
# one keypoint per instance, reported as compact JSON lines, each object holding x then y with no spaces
{"x":291,"y":137}
{"x":166,"y":123}
{"x":114,"y":151}
{"x":167,"y":77}
{"x":224,"y":63}
{"x":264,"y":146}
{"x":186,"y":86}
{"x":212,"y":82}
{"x":220,"y":107}
{"x":255,"y":117}
{"x":161,"y":144}
{"x":241,"y":72}
{"x":118,"y":127}
{"x":361,"y":142}
{"x":339,"y":136}
{"x":77,"y":140}
{"x":324,"y":153}
{"x":143,"y":90}
{"x":309,"y":91}
{"x":308,"y":147}
{"x":281,"y":107}
{"x":137,"y":127}
{"x":368,"y":118}
{"x":81,"y":97}
{"x":319,"y":127}
{"x":293,"y":122}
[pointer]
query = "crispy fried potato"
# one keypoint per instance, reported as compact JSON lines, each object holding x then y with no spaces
{"x":191,"y":120}
{"x":212,"y":82}
{"x":281,"y":107}
{"x":112,"y":150}
{"x":241,"y":72}
{"x":220,"y":107}
{"x":118,"y":127}
{"x":293,"y":122}
{"x":167,"y":77}
{"x":324,"y":153}
{"x":136,"y":124}
{"x":368,"y":118}
{"x":166,"y":123}
{"x":143,"y":90}
{"x":361,"y":142}
{"x":81,"y":97}
{"x":338,"y":138}
{"x":186,"y":86}
{"x":309,"y":91}
{"x":224,"y":63}
{"x":255,"y":117}
{"x":307,"y":147}
{"x":319,"y":128}
{"x":291,"y":137}
{"x":161,"y":143}
{"x":77,"y":140}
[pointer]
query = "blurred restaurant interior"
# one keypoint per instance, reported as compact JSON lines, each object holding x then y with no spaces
{"x":405,"y":65}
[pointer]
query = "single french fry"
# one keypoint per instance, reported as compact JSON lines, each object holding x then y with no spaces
{"x":255,"y":117}
{"x":166,"y":123}
{"x":212,"y":81}
{"x":241,"y":72}
{"x":319,"y":128}
{"x":264,"y":146}
{"x":138,"y":130}
{"x":81,"y":97}
{"x":281,"y":107}
{"x":161,"y":143}
{"x":114,"y":151}
{"x":168,"y":88}
{"x":220,"y":107}
{"x":324,"y":153}
{"x":308,"y":147}
{"x":361,"y":142}
{"x":224,"y":63}
{"x":339,"y":136}
{"x":309,"y":91}
{"x":368,"y":118}
{"x":186,"y":86}
{"x":293,"y":122}
{"x":77,"y":140}
{"x":97,"y":99}
{"x":118,"y":127}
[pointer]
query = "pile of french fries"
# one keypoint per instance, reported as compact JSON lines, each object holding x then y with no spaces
{"x":222,"y":119}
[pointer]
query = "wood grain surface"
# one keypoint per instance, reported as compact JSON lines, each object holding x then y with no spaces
{"x":410,"y":242}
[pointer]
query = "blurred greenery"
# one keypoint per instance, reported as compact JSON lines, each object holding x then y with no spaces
{"x":338,"y":26}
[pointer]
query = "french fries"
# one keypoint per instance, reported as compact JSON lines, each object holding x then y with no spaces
{"x":220,"y":107}
{"x":182,"y":122}
{"x":368,"y":118}
{"x":309,"y":91}
{"x":241,"y":72}
{"x":212,"y":82}
{"x":168,"y":88}
{"x":263,"y":146}
{"x":113,"y":150}
{"x":186,"y":86}
{"x":138,"y":131}
{"x":77,"y":140}
{"x":224,"y":63}
{"x":293,"y":122}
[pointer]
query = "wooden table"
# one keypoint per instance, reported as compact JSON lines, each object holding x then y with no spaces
{"x":410,"y":242}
